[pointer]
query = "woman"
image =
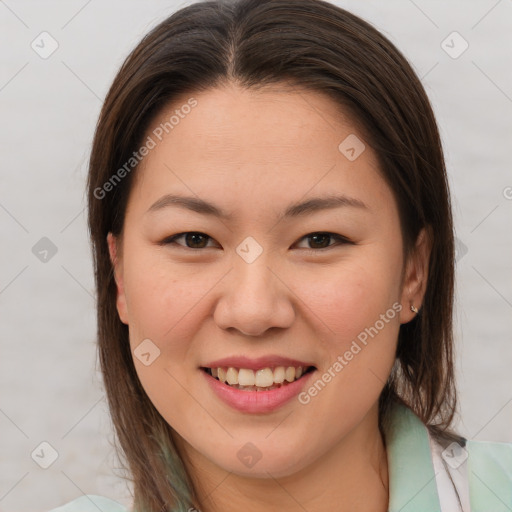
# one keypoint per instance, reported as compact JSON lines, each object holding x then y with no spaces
{"x":274,"y":256}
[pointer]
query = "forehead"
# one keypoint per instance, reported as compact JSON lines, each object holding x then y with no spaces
{"x":276,"y":116}
{"x":276,"y":142}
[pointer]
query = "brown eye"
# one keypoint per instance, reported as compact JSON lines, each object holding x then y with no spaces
{"x":193,"y":240}
{"x":320,"y":240}
{"x":317,"y":241}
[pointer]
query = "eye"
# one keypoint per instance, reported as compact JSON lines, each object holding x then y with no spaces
{"x":193,"y":239}
{"x":198,"y":240}
{"x":320,"y":240}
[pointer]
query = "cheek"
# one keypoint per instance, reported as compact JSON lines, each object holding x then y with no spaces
{"x":347,"y":299}
{"x":165,"y":309}
{"x":357,"y":311}
{"x":163,"y":300}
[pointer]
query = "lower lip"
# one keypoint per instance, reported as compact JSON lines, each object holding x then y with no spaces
{"x":257,"y":401}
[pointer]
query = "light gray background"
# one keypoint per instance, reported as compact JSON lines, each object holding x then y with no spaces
{"x":50,"y":385}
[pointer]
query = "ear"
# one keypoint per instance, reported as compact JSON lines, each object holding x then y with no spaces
{"x":115,"y":252}
{"x":416,"y":275}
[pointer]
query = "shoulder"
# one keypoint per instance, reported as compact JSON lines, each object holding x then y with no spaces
{"x":492,"y":460}
{"x":492,"y":449}
{"x":480,"y":473}
{"x":488,"y":455}
{"x":490,"y":474}
{"x":91,"y":503}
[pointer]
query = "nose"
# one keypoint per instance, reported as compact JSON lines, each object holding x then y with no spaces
{"x":254,"y":299}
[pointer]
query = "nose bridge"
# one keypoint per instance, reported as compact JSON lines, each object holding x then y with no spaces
{"x":254,"y":290}
{"x":254,"y":299}
{"x":254,"y":281}
{"x":251,"y":269}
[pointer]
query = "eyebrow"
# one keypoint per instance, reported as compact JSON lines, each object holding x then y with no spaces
{"x":309,"y":206}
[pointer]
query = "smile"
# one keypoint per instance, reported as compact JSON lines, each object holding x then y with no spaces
{"x":264,"y":379}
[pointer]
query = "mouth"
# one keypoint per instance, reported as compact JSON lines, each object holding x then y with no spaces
{"x":264,"y":379}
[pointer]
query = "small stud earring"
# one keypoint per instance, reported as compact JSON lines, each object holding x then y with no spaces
{"x":414,"y":309}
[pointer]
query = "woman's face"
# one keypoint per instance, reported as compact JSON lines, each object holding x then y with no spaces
{"x":293,"y":258}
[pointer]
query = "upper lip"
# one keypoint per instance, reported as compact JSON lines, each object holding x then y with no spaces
{"x":269,"y":361}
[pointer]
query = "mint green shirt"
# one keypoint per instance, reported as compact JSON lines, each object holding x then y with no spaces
{"x":413,"y":485}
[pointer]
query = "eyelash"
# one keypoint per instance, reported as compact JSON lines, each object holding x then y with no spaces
{"x":341,"y":240}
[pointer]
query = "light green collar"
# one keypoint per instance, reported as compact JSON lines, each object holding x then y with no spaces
{"x":412,"y":482}
{"x":412,"y":479}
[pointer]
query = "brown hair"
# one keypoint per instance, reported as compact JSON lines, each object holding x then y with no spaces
{"x":255,"y":43}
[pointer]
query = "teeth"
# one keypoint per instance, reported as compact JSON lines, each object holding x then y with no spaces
{"x":279,"y":374}
{"x":249,"y":380}
{"x":289,"y":375}
{"x":264,"y":378}
{"x":232,"y":376}
{"x":245,"y":377}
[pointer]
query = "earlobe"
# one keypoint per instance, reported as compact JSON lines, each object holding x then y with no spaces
{"x":117,"y":266}
{"x":416,"y":276}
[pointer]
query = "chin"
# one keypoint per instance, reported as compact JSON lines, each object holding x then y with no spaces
{"x":277,"y":465}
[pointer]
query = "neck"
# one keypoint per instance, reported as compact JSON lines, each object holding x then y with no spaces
{"x":351,"y":476}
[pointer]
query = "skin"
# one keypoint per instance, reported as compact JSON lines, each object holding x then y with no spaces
{"x":253,"y":153}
